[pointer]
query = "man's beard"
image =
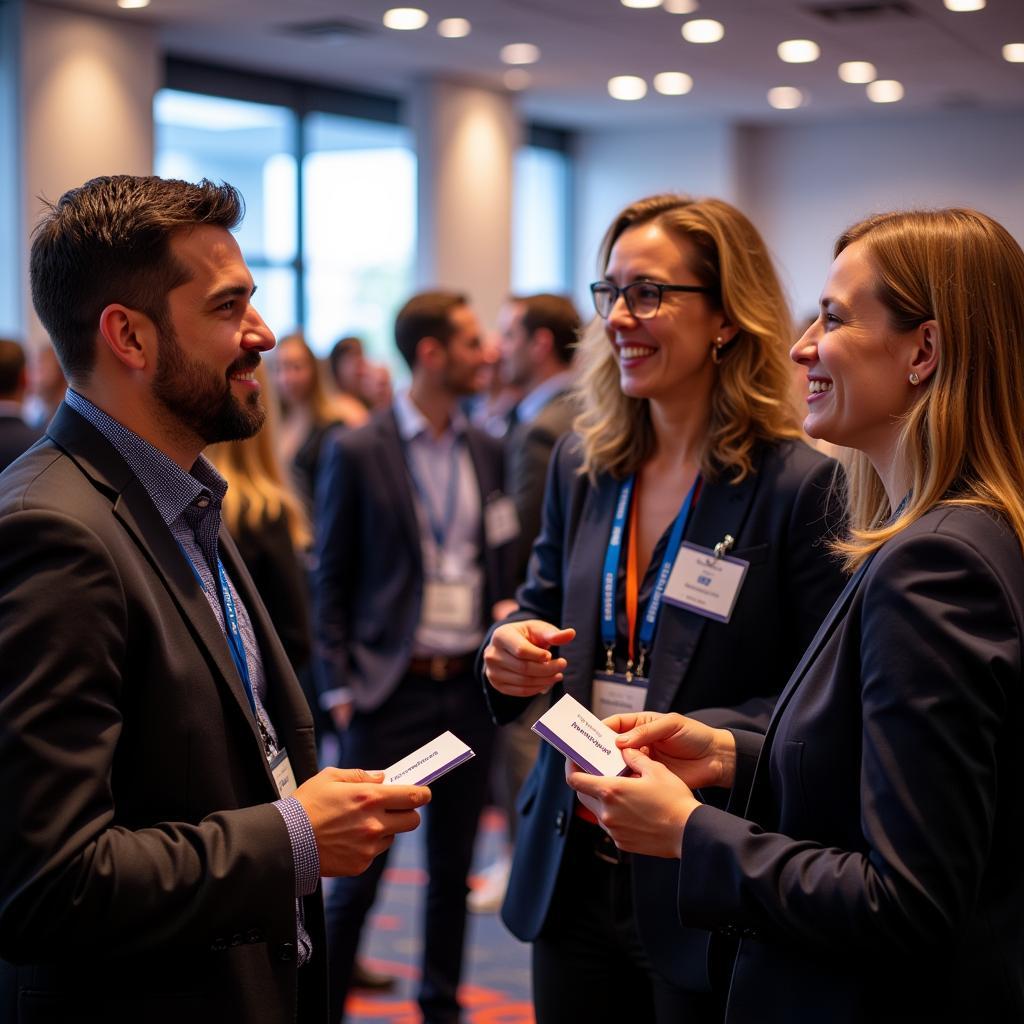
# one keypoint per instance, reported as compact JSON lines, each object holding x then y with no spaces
{"x":200,"y":400}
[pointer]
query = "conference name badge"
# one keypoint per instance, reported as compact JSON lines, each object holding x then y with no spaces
{"x":705,"y":583}
{"x":617,"y":694}
{"x":448,"y":604}
{"x":582,"y":737}
{"x":281,"y":769}
{"x":429,"y":762}
{"x":501,"y":522}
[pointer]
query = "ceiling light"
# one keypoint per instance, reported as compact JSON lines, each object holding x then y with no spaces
{"x":627,"y":87}
{"x":517,"y":79}
{"x":673,"y":83}
{"x":857,"y":72}
{"x":520,"y":53}
{"x":1014,"y":53}
{"x":641,"y":3}
{"x":131,"y":5}
{"x":405,"y":19}
{"x":798,"y":51}
{"x":680,"y":6}
{"x":785,"y":97}
{"x":453,"y":28}
{"x":703,"y":30}
{"x":885,"y":90}
{"x":964,"y":5}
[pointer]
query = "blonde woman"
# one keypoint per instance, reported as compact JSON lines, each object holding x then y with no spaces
{"x":876,"y":868}
{"x":688,"y":449}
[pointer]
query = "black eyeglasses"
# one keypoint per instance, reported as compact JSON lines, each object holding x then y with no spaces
{"x":643,"y":298}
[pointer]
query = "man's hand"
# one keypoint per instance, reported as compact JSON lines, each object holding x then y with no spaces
{"x":518,"y":659}
{"x":341,"y":715}
{"x":692,"y":751}
{"x":355,"y":818}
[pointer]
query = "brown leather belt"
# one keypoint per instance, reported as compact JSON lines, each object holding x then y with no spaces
{"x":442,"y":667}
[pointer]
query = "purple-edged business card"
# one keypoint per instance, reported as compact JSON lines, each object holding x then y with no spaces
{"x":570,"y":728}
{"x":429,"y":762}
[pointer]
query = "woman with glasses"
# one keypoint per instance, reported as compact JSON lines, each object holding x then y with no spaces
{"x":873,"y":859}
{"x":682,"y":565}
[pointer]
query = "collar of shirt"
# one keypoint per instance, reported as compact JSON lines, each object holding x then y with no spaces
{"x":171,"y":488}
{"x":412,"y":423}
{"x":532,"y":404}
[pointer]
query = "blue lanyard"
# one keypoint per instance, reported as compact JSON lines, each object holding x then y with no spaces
{"x":439,"y":528}
{"x":609,"y":629}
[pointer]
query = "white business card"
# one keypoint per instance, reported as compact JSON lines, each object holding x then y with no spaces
{"x":570,"y":728}
{"x":429,"y":762}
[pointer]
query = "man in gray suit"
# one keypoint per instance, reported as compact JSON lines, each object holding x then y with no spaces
{"x":16,"y":436}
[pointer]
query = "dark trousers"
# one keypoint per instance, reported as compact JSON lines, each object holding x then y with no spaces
{"x":419,"y":710}
{"x":589,"y":964}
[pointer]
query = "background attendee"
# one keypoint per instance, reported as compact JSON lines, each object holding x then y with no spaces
{"x":164,"y":827}
{"x":411,"y":561}
{"x":15,"y":434}
{"x":875,"y":873}
{"x":46,"y":386}
{"x":686,"y":433}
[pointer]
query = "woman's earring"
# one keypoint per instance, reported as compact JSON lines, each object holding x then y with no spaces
{"x":914,"y":379}
{"x":716,"y":350}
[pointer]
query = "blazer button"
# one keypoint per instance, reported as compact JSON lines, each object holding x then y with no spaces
{"x":560,"y":822}
{"x":235,"y":940}
{"x":286,"y":951}
{"x":253,"y":935}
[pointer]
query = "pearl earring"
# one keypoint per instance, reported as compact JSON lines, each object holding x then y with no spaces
{"x":914,"y":379}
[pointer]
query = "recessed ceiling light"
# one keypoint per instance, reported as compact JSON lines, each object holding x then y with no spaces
{"x":520,"y":53}
{"x":798,"y":51}
{"x":885,"y":90}
{"x":131,"y":5}
{"x":703,"y":30}
{"x":964,"y":5}
{"x":517,"y":79}
{"x":680,"y":6}
{"x":1014,"y":53}
{"x":785,"y":97}
{"x":627,"y":87}
{"x":673,"y":83}
{"x":405,"y":19}
{"x":453,"y":28}
{"x":641,"y":3}
{"x":858,"y":72}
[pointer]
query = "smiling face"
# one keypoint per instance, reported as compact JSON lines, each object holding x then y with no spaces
{"x":666,"y":358}
{"x":858,"y":366}
{"x":204,"y":376}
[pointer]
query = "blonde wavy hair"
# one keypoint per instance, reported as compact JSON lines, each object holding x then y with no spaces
{"x":318,"y":401}
{"x":961,"y":439}
{"x":752,"y":397}
{"x":257,"y":486}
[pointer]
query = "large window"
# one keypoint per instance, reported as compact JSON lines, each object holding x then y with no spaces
{"x":11,"y":241}
{"x":329,"y":231}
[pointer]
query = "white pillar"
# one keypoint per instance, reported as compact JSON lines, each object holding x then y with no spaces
{"x":466,"y":138}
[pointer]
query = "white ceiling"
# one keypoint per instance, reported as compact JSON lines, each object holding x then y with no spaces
{"x":943,"y":59}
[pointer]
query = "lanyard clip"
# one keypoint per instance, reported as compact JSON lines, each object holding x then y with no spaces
{"x":609,"y":659}
{"x":629,"y":671}
{"x":724,"y":545}
{"x":640,"y":662}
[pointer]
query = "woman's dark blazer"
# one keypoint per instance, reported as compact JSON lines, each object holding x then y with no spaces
{"x":780,"y":516}
{"x":878,"y":874}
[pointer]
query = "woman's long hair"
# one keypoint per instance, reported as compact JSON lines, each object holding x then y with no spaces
{"x":318,"y":401}
{"x":961,"y":439}
{"x":257,"y":488}
{"x":752,"y":396}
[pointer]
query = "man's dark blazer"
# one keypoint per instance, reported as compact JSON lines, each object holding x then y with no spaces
{"x":144,"y":873}
{"x":528,"y":448}
{"x":369,"y":577}
{"x":16,"y":437}
{"x":780,"y":516}
{"x":878,"y":876}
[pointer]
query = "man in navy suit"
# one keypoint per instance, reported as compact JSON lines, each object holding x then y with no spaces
{"x":415,"y":543}
{"x":16,"y":436}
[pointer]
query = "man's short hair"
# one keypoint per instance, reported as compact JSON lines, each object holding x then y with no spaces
{"x":426,"y":315}
{"x":12,"y":367}
{"x":558,"y":315}
{"x":110,"y":241}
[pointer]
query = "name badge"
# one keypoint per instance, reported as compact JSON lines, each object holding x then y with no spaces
{"x":705,"y":584}
{"x":448,"y":604}
{"x":501,"y":522}
{"x":570,"y":728}
{"x":281,"y":769}
{"x":615,"y":694}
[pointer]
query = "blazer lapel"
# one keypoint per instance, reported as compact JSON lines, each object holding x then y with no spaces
{"x":398,"y":484}
{"x":721,"y":509}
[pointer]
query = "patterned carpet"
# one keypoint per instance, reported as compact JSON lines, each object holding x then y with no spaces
{"x":496,"y":980}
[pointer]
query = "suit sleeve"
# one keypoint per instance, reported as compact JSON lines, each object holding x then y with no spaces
{"x":529,"y":474}
{"x":74,"y":875}
{"x":940,"y":661}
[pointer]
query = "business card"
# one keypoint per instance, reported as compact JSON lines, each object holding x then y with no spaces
{"x":429,"y":762}
{"x":570,"y":728}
